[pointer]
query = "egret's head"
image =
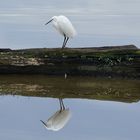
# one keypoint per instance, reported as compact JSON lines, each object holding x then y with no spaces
{"x":54,"y":18}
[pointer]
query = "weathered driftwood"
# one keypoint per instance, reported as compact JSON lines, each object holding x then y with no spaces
{"x":122,"y":61}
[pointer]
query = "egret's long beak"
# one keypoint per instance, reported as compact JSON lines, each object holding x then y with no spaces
{"x":43,"y":123}
{"x":49,"y":21}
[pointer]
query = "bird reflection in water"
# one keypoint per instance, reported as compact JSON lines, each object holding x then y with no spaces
{"x":59,"y":119}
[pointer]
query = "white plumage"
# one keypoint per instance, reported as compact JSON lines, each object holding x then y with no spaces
{"x":63,"y":25}
{"x":59,"y":119}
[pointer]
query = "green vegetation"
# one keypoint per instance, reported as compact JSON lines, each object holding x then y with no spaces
{"x":122,"y":61}
{"x":121,"y":90}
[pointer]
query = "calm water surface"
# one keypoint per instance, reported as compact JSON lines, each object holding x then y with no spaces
{"x":101,"y":109}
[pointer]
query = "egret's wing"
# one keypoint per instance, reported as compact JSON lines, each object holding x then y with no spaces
{"x":66,"y":26}
{"x":59,"y":120}
{"x":62,"y":119}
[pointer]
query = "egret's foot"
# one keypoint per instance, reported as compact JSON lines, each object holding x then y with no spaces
{"x":63,"y":47}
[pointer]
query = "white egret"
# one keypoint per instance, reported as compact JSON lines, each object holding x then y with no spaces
{"x":59,"y":119}
{"x":63,"y":25}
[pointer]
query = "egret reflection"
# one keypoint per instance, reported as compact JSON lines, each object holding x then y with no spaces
{"x":59,"y":119}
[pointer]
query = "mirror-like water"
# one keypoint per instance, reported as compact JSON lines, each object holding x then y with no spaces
{"x":92,"y":108}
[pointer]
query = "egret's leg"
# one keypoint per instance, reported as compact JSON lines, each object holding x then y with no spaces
{"x":61,"y":108}
{"x":62,"y":104}
{"x":67,"y":38}
{"x":64,"y":41}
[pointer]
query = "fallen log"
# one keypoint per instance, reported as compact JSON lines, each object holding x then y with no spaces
{"x":108,"y":61}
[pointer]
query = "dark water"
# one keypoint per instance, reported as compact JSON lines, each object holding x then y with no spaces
{"x":101,"y":109}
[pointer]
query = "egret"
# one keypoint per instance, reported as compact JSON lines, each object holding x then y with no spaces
{"x":59,"y":119}
{"x":63,"y":25}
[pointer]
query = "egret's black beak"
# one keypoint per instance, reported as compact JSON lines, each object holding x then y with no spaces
{"x":49,"y":21}
{"x":43,"y":123}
